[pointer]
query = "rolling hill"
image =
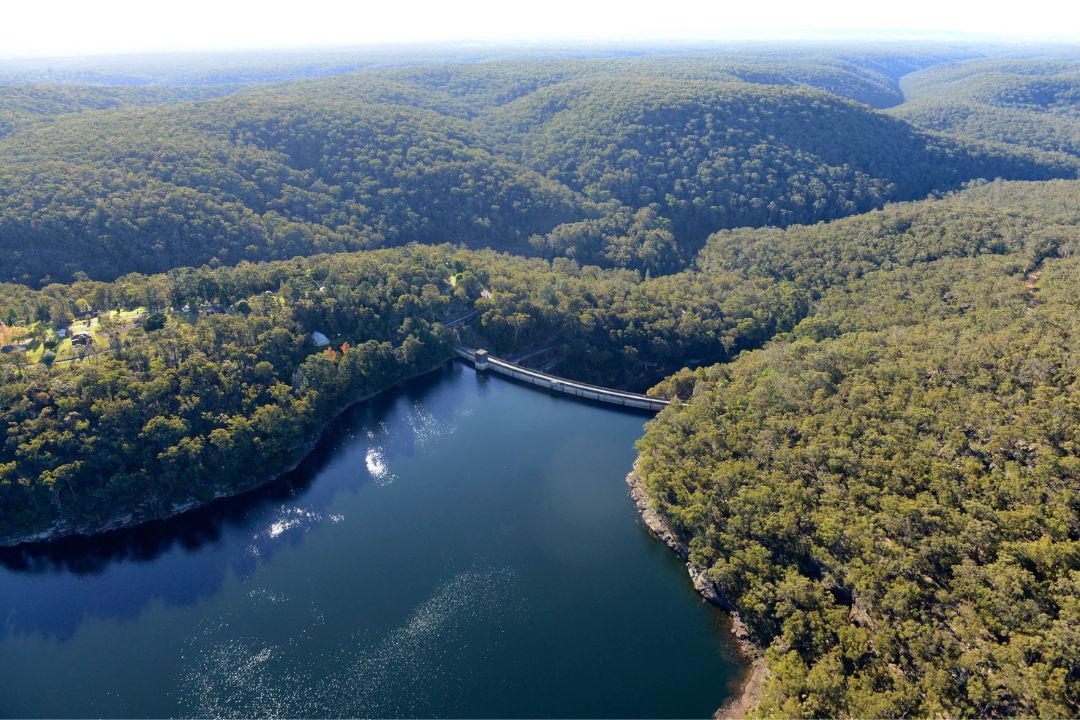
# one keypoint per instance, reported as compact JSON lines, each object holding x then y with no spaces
{"x":1027,"y":103}
{"x":624,"y":162}
{"x":721,"y":155}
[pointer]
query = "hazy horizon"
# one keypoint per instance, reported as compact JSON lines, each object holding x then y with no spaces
{"x":68,"y":29}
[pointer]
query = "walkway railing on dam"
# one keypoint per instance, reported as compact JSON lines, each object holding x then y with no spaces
{"x":483,"y":361}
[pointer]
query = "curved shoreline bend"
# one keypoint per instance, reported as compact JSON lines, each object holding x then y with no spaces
{"x":747,"y":696}
{"x":60,"y":531}
{"x":736,"y":707}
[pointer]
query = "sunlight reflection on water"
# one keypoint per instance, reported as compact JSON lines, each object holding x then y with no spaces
{"x":388,"y":675}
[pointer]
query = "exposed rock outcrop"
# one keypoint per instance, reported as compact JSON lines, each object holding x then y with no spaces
{"x":747,"y":696}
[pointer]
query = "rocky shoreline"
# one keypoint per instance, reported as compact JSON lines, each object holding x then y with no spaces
{"x":60,"y":530}
{"x":747,"y":697}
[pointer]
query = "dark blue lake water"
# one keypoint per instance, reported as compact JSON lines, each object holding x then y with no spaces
{"x":462,"y":547}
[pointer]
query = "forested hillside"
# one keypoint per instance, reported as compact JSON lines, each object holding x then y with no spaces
{"x":144,"y":426}
{"x":21,"y":105}
{"x":726,"y":155}
{"x":1036,"y":220}
{"x":868,"y":324}
{"x":237,"y":179}
{"x":183,"y":409}
{"x":622,"y":163}
{"x":866,"y":77}
{"x":888,"y":494}
{"x":610,"y":326}
{"x":1030,"y":103}
{"x":869,"y":74}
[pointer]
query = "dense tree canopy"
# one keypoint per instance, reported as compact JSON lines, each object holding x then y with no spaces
{"x":177,"y":412}
{"x":890,"y":493}
{"x":21,"y":105}
{"x":1033,"y":103}
{"x":874,"y":452}
{"x":1038,"y":219}
{"x":486,"y":154}
{"x":712,"y":155}
{"x":240,"y":179}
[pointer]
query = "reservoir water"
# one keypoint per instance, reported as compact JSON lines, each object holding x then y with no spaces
{"x":462,"y":546}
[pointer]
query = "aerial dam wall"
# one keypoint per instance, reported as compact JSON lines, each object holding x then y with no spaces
{"x":482,"y":361}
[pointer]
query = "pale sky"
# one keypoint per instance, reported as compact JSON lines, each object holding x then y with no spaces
{"x":43,"y":28}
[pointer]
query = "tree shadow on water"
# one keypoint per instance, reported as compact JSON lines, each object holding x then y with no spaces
{"x":50,"y":589}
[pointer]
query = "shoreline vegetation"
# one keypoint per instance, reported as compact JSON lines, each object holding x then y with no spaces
{"x":875,"y":453}
{"x":891,"y":490}
{"x":236,"y":386}
{"x":743,"y":700}
{"x":745,"y":697}
{"x":904,"y":315}
{"x":128,"y":519}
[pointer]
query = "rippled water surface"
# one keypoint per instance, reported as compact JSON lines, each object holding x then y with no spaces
{"x":461,"y":547}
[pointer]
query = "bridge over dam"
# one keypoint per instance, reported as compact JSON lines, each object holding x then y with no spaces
{"x":482,"y":361}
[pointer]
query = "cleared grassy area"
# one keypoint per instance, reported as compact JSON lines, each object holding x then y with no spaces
{"x":66,"y":351}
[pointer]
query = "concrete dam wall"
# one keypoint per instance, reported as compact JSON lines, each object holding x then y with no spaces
{"x":482,"y":361}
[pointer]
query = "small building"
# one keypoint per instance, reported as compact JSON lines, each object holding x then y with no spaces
{"x":61,"y":333}
{"x":319,"y":339}
{"x":480,"y":359}
{"x":82,"y":339}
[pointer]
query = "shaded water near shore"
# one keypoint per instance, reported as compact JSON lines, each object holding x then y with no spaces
{"x":462,"y":546}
